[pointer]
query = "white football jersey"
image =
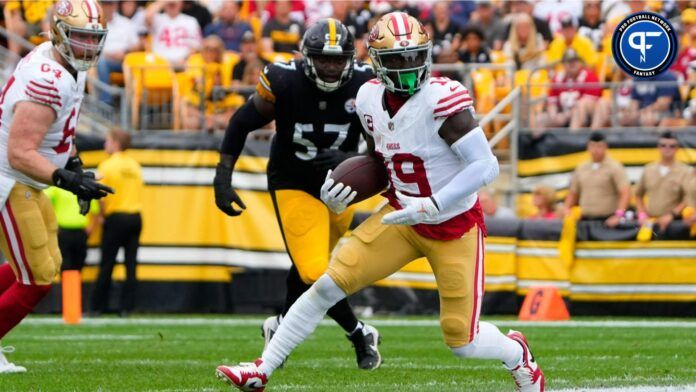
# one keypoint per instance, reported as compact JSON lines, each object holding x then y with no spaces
{"x":38,"y":78}
{"x":419,"y":162}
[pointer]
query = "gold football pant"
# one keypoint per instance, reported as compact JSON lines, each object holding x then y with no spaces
{"x":375,"y":251}
{"x":309,"y":229}
{"x":29,"y":236}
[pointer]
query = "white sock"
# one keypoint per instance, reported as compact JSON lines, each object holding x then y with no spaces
{"x":300,"y":321}
{"x":490,"y":343}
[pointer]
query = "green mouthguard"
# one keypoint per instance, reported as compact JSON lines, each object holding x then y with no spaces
{"x":409,"y":79}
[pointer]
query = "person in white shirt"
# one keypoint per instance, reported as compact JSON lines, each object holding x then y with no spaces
{"x":174,"y":35}
{"x":121,"y":39}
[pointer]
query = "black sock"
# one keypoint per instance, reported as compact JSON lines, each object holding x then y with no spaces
{"x":295,"y":287}
{"x":343,"y":314}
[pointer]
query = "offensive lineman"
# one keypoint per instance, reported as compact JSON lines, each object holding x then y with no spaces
{"x":437,"y":158}
{"x":39,"y":107}
{"x":313,"y":103}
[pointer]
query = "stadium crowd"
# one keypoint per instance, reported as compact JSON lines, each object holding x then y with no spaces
{"x":562,"y":48}
{"x":559,"y":51}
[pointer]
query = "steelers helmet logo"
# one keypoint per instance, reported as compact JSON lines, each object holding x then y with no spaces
{"x":644,"y":44}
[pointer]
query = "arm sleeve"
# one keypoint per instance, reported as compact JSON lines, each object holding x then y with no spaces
{"x":246,"y":119}
{"x":574,"y":183}
{"x":480,"y":170}
{"x":640,"y":187}
{"x":620,"y":177}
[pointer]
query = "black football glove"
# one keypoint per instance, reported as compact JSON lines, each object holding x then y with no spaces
{"x":75,"y":165}
{"x":225,"y":195}
{"x":328,"y":159}
{"x":83,"y":184}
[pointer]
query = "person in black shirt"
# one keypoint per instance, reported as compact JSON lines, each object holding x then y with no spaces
{"x":282,"y":34}
{"x":313,"y":103}
{"x":474,"y":47}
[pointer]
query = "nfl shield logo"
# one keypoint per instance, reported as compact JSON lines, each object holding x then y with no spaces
{"x":322,"y":105}
{"x":391,"y":126}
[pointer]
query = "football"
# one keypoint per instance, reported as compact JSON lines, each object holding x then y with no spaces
{"x":364,"y":174}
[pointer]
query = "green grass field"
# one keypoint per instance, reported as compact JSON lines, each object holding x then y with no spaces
{"x":180,"y":354}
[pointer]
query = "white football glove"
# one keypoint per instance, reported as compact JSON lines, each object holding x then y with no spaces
{"x":415,"y":210}
{"x":336,"y":197}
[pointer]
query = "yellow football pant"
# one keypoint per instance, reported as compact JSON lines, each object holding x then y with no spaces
{"x":375,"y":250}
{"x":309,"y":229}
{"x":29,"y":236}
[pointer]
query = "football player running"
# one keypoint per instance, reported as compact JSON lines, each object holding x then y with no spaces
{"x":437,"y":157}
{"x":313,"y":104}
{"x":39,"y":107}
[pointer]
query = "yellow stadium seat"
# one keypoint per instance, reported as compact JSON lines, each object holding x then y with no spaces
{"x":195,"y":70}
{"x":147,"y":74}
{"x":274,"y":57}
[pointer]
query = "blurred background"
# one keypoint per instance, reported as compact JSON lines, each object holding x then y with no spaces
{"x":546,"y":90}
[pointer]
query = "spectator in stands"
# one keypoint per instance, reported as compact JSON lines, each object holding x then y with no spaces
{"x":248,"y":54}
{"x":200,"y":106}
{"x":662,"y":184}
{"x":474,"y":49}
{"x":591,"y":24}
{"x":174,"y":35}
{"x":490,"y":207}
{"x":199,"y":12}
{"x":343,"y":11}
{"x":599,"y":186}
{"x":121,"y":39}
{"x":541,"y":24}
{"x":132,"y":10}
{"x":525,"y":46}
{"x":26,"y":18}
{"x":122,"y":221}
{"x":652,"y":102}
{"x":487,"y":18}
{"x":228,"y":26}
{"x":689,"y":211}
{"x":687,"y":44}
{"x":281,"y":33}
{"x":573,"y":101}
{"x":544,"y":199}
{"x":444,"y":32}
{"x":568,"y":38}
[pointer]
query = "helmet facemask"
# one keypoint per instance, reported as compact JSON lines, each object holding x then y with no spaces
{"x":329,"y":53}
{"x":319,"y":66}
{"x":80,"y":47}
{"x":402,"y":70}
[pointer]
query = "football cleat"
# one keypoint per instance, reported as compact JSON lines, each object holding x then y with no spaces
{"x":365,"y":342}
{"x":527,"y":373}
{"x":6,"y":367}
{"x":268,"y":329}
{"x":246,"y":376}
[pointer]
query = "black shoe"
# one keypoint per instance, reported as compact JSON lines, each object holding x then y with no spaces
{"x":365,"y":342}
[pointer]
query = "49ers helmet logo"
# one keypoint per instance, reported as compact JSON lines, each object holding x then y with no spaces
{"x":64,"y":8}
{"x":374,"y":34}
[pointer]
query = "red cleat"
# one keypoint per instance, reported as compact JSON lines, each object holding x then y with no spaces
{"x":246,"y":376}
{"x":527,"y":374}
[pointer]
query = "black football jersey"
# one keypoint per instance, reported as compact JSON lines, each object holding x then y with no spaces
{"x":308,"y":120}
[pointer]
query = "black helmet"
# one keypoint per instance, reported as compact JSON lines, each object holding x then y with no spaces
{"x":328,"y":37}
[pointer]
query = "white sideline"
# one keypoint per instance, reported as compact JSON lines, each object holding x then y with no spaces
{"x":230,"y":321}
{"x":637,"y":388}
